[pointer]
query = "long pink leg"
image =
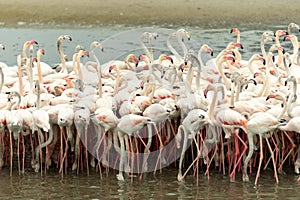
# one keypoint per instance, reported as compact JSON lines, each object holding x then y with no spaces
{"x":260,"y":159}
{"x":196,"y":159}
{"x":293,"y":147}
{"x":18,"y":152}
{"x":241,"y":155}
{"x":11,"y":152}
{"x":160,"y":149}
{"x":274,"y":164}
{"x":23,"y":157}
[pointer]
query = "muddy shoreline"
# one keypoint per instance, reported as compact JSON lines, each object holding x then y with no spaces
{"x":206,"y":14}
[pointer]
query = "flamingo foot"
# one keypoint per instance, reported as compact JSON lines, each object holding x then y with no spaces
{"x":180,"y":178}
{"x":245,"y":178}
{"x":127,"y":169}
{"x":48,"y":163}
{"x":297,"y":166}
{"x":145,"y":167}
{"x":74,"y":166}
{"x":104,"y":163}
{"x":232,"y":177}
{"x":36,"y":167}
{"x":227,"y":135}
{"x":120,"y":177}
{"x":92,"y":163}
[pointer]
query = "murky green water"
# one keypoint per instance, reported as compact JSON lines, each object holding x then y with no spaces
{"x":117,"y":42}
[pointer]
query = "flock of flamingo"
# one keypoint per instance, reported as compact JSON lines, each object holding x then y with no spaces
{"x":228,"y":112}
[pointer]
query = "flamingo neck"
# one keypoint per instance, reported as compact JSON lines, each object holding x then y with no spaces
{"x":295,"y":51}
{"x":20,"y":76}
{"x":61,"y":56}
{"x":2,"y":79}
{"x":146,"y":50}
{"x":220,"y":68}
{"x":212,"y":105}
{"x":262,"y":47}
{"x":117,"y":83}
{"x":39,"y":68}
{"x":284,"y":109}
{"x":38,"y":100}
{"x":174,"y":52}
{"x":79,"y":67}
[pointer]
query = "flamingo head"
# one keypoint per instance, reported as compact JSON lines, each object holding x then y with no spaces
{"x":182,"y":67}
{"x":184,"y":32}
{"x":142,"y":57}
{"x":29,"y":43}
{"x":279,"y":33}
{"x":238,"y":45}
{"x":291,"y":78}
{"x":208,"y":49}
{"x":234,"y":30}
{"x":67,"y":37}
{"x":276,"y":96}
{"x":41,"y":51}
{"x":111,"y":68}
{"x":165,"y":57}
{"x":2,"y":46}
{"x":256,"y":74}
{"x":295,"y":26}
{"x":231,"y":58}
{"x":290,"y":37}
{"x":34,"y":60}
{"x":262,"y":59}
{"x":132,"y":58}
{"x":83,"y":53}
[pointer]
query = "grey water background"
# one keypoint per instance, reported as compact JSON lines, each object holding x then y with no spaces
{"x":118,"y":41}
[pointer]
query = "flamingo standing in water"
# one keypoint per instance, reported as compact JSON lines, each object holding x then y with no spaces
{"x":127,"y":126}
{"x":194,"y":121}
{"x":42,"y":122}
{"x":260,"y":124}
{"x":14,"y":124}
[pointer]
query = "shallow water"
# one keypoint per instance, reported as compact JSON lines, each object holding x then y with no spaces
{"x":161,"y":186}
{"x":117,"y":42}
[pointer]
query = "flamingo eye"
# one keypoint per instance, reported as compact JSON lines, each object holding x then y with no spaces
{"x":201,"y":116}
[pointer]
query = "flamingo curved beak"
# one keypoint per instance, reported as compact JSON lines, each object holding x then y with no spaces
{"x":170,"y":59}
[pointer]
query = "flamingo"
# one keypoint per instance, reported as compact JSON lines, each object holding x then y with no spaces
{"x":128,"y":125}
{"x":13,"y":123}
{"x":42,"y":122}
{"x":260,"y":124}
{"x":81,"y":121}
{"x":194,"y":121}
{"x":65,"y":119}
